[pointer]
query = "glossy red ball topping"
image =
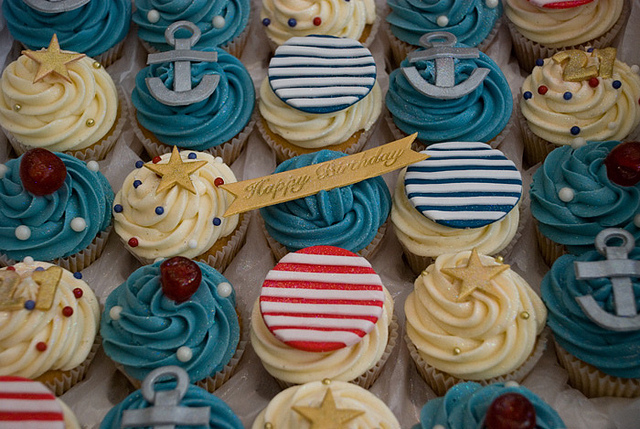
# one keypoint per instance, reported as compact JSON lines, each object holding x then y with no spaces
{"x":180,"y":278}
{"x":542,"y":90}
{"x":510,"y":411}
{"x":133,"y":242}
{"x":594,"y":82}
{"x":77,"y":292}
{"x":156,"y":159}
{"x":219,"y":181}
{"x":623,"y":164}
{"x":317,"y":21}
{"x":11,"y":268}
{"x":41,"y":346}
{"x":42,"y":172}
{"x":67,"y":311}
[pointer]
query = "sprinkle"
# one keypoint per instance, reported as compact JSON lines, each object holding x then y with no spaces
{"x":511,"y":383}
{"x":636,"y":220}
{"x":326,"y":381}
{"x":17,"y":107}
{"x":77,"y":275}
{"x":39,"y":269}
{"x":90,"y":122}
{"x":3,"y":170}
{"x":567,"y":95}
{"x":23,"y":232}
{"x":219,"y":181}
{"x":224,"y":289}
{"x":590,"y":50}
{"x":30,"y":304}
{"x":575,"y":130}
{"x":117,"y":208}
{"x":616,"y":84}
{"x":41,"y":346}
{"x":566,"y":194}
{"x":442,"y":21}
{"x":93,"y":166}
{"x":137,"y":183}
{"x":578,"y":142}
{"x":153,"y":16}
{"x":217,"y":221}
{"x":133,"y":242}
{"x":268,"y":425}
{"x":159,"y":210}
{"x":456,"y":350}
{"x":218,"y":22}
{"x":317,"y":21}
{"x":539,"y":62}
{"x":139,"y":164}
{"x":115,"y":311}
{"x":499,"y":259}
{"x":96,"y":65}
{"x":635,"y":69}
{"x":542,"y":90}
{"x":156,"y":159}
{"x":192,"y":244}
{"x":527,"y":95}
{"x":184,"y":354}
{"x":524,"y":315}
{"x":266,"y":22}
{"x":292,"y":22}
{"x":28,"y":260}
{"x":78,"y":224}
{"x":77,"y":292}
{"x":491,"y":4}
{"x":612,"y":125}
{"x":594,"y":82}
{"x":11,"y":268}
{"x":192,"y":155}
{"x":67,"y":311}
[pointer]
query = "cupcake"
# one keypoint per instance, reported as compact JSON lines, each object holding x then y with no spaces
{"x":48,"y":324}
{"x":474,"y":23}
{"x":470,"y":405}
{"x":576,"y":193}
{"x":71,"y":107}
{"x":190,"y":406}
{"x":305,"y":105}
{"x":463,"y":196}
{"x":323,"y":313}
{"x":328,"y":403}
{"x":352,"y":217}
{"x":173,"y":206}
{"x":473,"y":318}
{"x":475,"y":105}
{"x":562,"y":106}
{"x":53,"y":207}
{"x":174,"y":312}
{"x":210,"y":112}
{"x":592,"y":314}
{"x":97,"y":28}
{"x":540,"y":28}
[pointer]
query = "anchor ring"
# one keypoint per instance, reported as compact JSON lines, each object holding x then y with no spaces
{"x":628,"y":241}
{"x":169,"y":33}
{"x":180,"y":375}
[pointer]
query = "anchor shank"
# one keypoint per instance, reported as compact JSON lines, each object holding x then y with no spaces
{"x":623,"y":297}
{"x":445,"y":73}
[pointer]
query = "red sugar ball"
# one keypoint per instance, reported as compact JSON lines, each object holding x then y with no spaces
{"x":77,"y":292}
{"x":41,"y":346}
{"x":67,"y":311}
{"x":156,"y":159}
{"x":542,"y":90}
{"x":219,"y":181}
{"x":133,"y":242}
{"x":317,"y":21}
{"x":594,"y":82}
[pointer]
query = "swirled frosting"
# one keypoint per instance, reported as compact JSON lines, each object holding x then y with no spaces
{"x":347,"y":217}
{"x":600,"y":113}
{"x":280,"y":414}
{"x":563,"y":27}
{"x":84,"y":193}
{"x":201,"y":12}
{"x":299,"y":366}
{"x":612,"y":352}
{"x":92,"y":28}
{"x":151,"y":327}
{"x":486,"y":326}
{"x":478,"y":116}
{"x":204,"y":124}
{"x":470,"y":21}
{"x":337,"y":18}
{"x":53,"y":113}
{"x":598,"y":203}
{"x":68,"y":339}
{"x":465,"y":405}
{"x":185,"y":225}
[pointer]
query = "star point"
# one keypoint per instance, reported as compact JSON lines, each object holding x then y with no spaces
{"x":327,"y":415}
{"x":52,"y":60}
{"x":474,"y":275}
{"x":176,"y":172}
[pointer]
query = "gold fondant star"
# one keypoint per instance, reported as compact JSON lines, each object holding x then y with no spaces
{"x":474,"y":275}
{"x":52,"y":60}
{"x":327,"y":416}
{"x":176,"y":172}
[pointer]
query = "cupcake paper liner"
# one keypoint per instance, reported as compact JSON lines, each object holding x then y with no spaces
{"x":550,"y":250}
{"x":112,"y":54}
{"x":536,"y":149}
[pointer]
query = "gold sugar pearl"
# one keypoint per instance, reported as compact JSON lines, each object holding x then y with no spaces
{"x":90,"y":122}
{"x":499,"y":259}
{"x":326,"y":381}
{"x":524,"y":315}
{"x":456,"y":350}
{"x":96,"y":65}
{"x":268,"y":425}
{"x":17,"y":107}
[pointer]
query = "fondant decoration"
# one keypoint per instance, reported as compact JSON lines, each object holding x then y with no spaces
{"x":474,"y":275}
{"x":175,"y":172}
{"x":166,"y":412}
{"x":327,"y":415}
{"x":577,"y":69}
{"x":55,"y":6}
{"x":26,"y":403}
{"x":52,"y":60}
{"x":321,"y":298}
{"x":559,"y":4}
{"x":463,"y":184}
{"x":182,"y":56}
{"x":440,"y":46}
{"x":623,"y":164}
{"x":511,"y":410}
{"x":321,"y":74}
{"x":180,"y":278}
{"x":13,"y":288}
{"x":42,"y":172}
{"x":619,"y":269}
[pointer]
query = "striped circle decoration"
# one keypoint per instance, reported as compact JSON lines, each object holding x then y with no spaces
{"x":321,"y":74}
{"x":321,"y":298}
{"x":29,"y":404}
{"x":463,"y":184}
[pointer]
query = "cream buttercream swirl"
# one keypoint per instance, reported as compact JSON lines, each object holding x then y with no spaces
{"x":68,"y":339}
{"x":185,"y":225}
{"x":317,"y":131}
{"x":563,"y":27}
{"x":279,"y":412}
{"x":487,"y":326}
{"x":298,"y":366}
{"x":601,"y":113}
{"x":53,"y":112}
{"x":337,"y":18}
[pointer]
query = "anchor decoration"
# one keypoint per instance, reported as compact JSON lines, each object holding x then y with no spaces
{"x":440,"y":46}
{"x":55,"y":6}
{"x":619,"y":269}
{"x":166,"y":412}
{"x":181,"y":56}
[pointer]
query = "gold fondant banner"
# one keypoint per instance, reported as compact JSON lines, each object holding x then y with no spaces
{"x":302,"y":182}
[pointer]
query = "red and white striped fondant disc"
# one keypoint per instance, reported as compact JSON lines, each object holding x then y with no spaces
{"x":29,"y":404}
{"x":321,"y":298}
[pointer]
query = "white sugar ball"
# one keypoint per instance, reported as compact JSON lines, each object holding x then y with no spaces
{"x":442,"y":21}
{"x":153,"y":16}
{"x":3,"y":170}
{"x":78,"y":224}
{"x":566,"y":194}
{"x":28,"y":260}
{"x":492,"y":4}
{"x":218,"y":22}
{"x":224,"y":289}
{"x":635,"y":68}
{"x":115,"y":311}
{"x":612,"y":125}
{"x":93,"y":166}
{"x":192,"y":244}
{"x":511,"y":383}
{"x":23,"y":232}
{"x":636,"y":220}
{"x":158,"y":259}
{"x":184,"y":354}
{"x":578,"y":142}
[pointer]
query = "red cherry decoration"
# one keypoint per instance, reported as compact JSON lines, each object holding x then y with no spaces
{"x":623,"y":164}
{"x":180,"y":278}
{"x":317,"y":21}
{"x":542,"y":90}
{"x":510,"y":411}
{"x":42,"y":172}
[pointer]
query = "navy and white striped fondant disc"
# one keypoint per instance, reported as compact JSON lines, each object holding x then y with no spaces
{"x":463,"y":184}
{"x":321,"y":74}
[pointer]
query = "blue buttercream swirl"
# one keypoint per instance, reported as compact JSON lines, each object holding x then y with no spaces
{"x":207,"y":123}
{"x":598,"y":203}
{"x":347,"y":217}
{"x":90,"y":29}
{"x":152,"y":327}
{"x":470,"y":21}
{"x":478,"y":116}
{"x":84,"y":193}
{"x":199,"y":12}
{"x":614,"y":353}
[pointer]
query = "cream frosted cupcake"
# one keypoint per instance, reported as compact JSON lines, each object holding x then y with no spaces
{"x":472,"y":318}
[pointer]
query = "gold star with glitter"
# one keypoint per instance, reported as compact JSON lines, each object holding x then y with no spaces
{"x":176,"y":172}
{"x":327,"y":416}
{"x":52,"y":60}
{"x":474,"y":275}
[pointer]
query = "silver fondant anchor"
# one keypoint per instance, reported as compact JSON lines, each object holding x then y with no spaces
{"x":440,"y":46}
{"x":165,"y":412}
{"x":619,"y":269}
{"x":181,"y":56}
{"x":55,"y":6}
